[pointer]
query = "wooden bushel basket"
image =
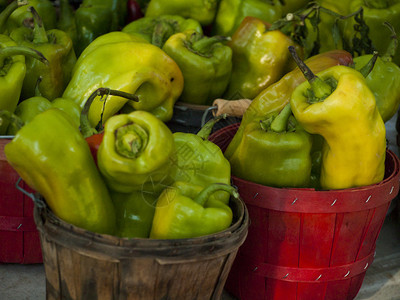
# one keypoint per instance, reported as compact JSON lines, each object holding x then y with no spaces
{"x":83,"y":265}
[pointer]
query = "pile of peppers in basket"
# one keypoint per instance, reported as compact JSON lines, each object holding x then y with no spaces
{"x":106,"y":75}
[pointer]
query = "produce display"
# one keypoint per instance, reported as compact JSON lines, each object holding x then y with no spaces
{"x":90,"y":90}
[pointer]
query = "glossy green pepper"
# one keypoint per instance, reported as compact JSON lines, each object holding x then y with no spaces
{"x":94,"y":18}
{"x":274,"y":152}
{"x":277,"y":95}
{"x":130,"y":66}
{"x":157,"y":30}
{"x":205,"y":62}
{"x":290,"y":6}
{"x":45,"y":9}
{"x":201,"y":10}
{"x":231,"y":13}
{"x":12,"y":73}
{"x":338,"y":105}
{"x":375,"y":13}
{"x":186,"y":211}
{"x":66,"y":21}
{"x":259,"y":58}
{"x":199,"y":161}
{"x":384,"y":82}
{"x":136,"y":152}
{"x":53,"y":158}
{"x":56,"y":46}
{"x":135,"y":212}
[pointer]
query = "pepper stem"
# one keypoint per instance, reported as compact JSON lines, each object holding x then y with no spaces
{"x":205,"y":131}
{"x":279,"y":124}
{"x":365,"y":70}
{"x":21,"y":50}
{"x":320,"y":88}
{"x":204,"y":44}
{"x":15,"y":122}
{"x":161,"y":32}
{"x":5,"y":14}
{"x":391,"y":50}
{"x":130,"y":140}
{"x":205,"y":194}
{"x":87,"y":129}
{"x":39,"y":32}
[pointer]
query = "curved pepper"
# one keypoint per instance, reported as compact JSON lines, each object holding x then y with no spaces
{"x":94,"y":18}
{"x":56,"y":46}
{"x":277,"y":95}
{"x":5,"y":13}
{"x":375,"y":13}
{"x":231,"y":13}
{"x":136,"y":152}
{"x":12,"y":73}
{"x":133,"y":67}
{"x":199,"y":161}
{"x":338,"y":105}
{"x":259,"y":58}
{"x":157,"y":30}
{"x":134,"y":212}
{"x":205,"y":63}
{"x":274,"y":152}
{"x":186,"y":211}
{"x":201,"y":10}
{"x":53,"y":158}
{"x":44,"y":8}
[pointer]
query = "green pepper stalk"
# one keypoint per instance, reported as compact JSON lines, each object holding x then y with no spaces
{"x":187,"y":211}
{"x":5,"y":14}
{"x":354,"y":147}
{"x":56,"y":46}
{"x":157,"y":30}
{"x":12,"y":73}
{"x":86,"y":128}
{"x":199,"y":161}
{"x":205,"y":62}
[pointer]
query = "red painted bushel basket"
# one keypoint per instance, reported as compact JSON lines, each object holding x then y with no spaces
{"x":19,"y":238}
{"x":307,"y":244}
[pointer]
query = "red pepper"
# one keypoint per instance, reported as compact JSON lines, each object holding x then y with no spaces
{"x":94,"y":142}
{"x":134,"y":11}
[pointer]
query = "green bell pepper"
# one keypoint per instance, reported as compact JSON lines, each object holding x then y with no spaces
{"x":199,"y":161}
{"x":56,"y":46}
{"x":66,"y":21}
{"x":12,"y":73}
{"x":130,"y":66}
{"x":291,"y":6}
{"x":135,"y":212}
{"x":274,"y":152}
{"x":383,"y":80}
{"x":231,"y":13}
{"x":201,"y":10}
{"x":94,"y":18}
{"x":157,"y":30}
{"x":187,"y":211}
{"x":53,"y":158}
{"x":44,"y":8}
{"x":136,"y":152}
{"x":259,"y":58}
{"x":205,"y":62}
